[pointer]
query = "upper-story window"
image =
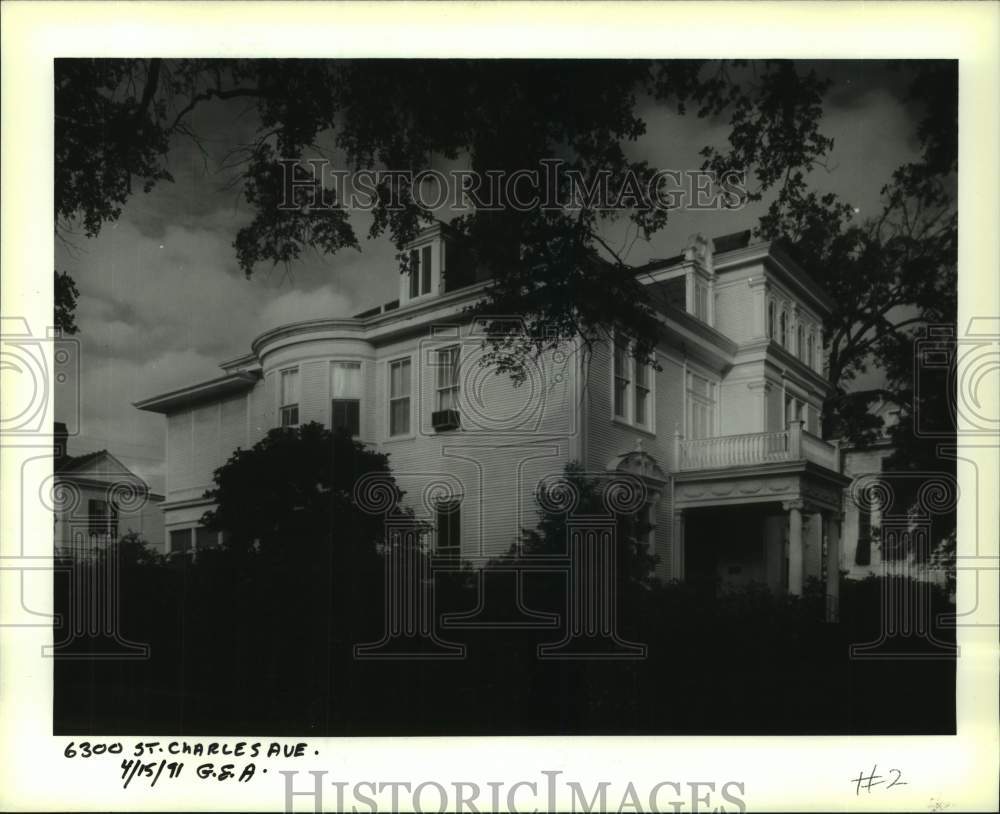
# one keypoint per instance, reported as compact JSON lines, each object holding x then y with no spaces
{"x":420,"y":272}
{"x":345,"y":409}
{"x":641,"y":415}
{"x":800,"y":349}
{"x":447,"y":378}
{"x":783,"y":328}
{"x":399,"y":397}
{"x":811,"y":350}
{"x":632,"y":384}
{"x":621,"y":377}
{"x":701,"y":407}
{"x":290,"y":398}
{"x":770,"y":319}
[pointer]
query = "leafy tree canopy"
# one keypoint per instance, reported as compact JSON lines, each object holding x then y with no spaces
{"x":118,"y":120}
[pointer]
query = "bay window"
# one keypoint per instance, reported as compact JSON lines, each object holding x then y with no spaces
{"x":399,"y":397}
{"x":346,"y":403}
{"x":289,"y":407}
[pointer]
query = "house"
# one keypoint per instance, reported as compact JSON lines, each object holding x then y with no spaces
{"x":723,"y":432}
{"x":97,"y":499}
{"x":862,"y":555}
{"x":869,"y":509}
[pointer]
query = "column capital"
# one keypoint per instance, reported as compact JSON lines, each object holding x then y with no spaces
{"x":789,"y":505}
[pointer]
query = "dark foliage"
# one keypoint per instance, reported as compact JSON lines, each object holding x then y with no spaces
{"x":237,"y":647}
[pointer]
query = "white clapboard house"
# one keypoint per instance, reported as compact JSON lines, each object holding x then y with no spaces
{"x":725,"y":434}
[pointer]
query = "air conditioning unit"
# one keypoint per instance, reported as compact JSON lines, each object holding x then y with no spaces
{"x":443,"y":420}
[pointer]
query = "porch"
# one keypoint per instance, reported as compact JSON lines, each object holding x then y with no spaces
{"x":763,"y":508}
{"x":791,"y":444}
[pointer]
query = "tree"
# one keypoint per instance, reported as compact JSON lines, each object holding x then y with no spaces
{"x":890,"y":275}
{"x":292,"y":494}
{"x":298,"y":551}
{"x":65,"y":294}
{"x":635,"y":563}
{"x":117,"y":121}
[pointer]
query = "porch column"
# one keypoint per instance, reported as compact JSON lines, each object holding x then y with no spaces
{"x":794,"y":509}
{"x":832,"y":521}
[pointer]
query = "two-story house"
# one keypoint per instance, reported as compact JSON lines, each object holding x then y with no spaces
{"x":96,"y":499}
{"x":724,"y":430}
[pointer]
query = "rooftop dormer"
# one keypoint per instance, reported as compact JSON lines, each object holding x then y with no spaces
{"x":437,"y":264}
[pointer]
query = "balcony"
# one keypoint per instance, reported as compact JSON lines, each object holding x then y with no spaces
{"x":751,"y":449}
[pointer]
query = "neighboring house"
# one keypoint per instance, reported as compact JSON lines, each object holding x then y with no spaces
{"x":861,"y":552}
{"x":725,"y":435}
{"x":863,"y":512}
{"x":98,"y":499}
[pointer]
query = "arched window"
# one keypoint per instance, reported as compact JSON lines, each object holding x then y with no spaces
{"x":770,"y":319}
{"x":783,"y":338}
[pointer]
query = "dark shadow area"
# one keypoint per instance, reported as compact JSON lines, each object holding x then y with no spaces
{"x":260,"y":653}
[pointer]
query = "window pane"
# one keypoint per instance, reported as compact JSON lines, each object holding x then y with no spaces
{"x":641,"y":396}
{"x":449,"y":528}
{"x":641,"y":374}
{"x":414,"y":273}
{"x":399,"y":417}
{"x":347,"y":415}
{"x":620,"y":365}
{"x":347,"y":380}
{"x":289,"y":387}
{"x":205,"y":538}
{"x":447,"y":367}
{"x":425,"y":271}
{"x":399,"y":379}
{"x":290,"y":416}
{"x":180,"y":540}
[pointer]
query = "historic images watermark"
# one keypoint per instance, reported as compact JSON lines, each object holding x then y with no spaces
{"x":317,"y":185}
{"x":549,"y":792}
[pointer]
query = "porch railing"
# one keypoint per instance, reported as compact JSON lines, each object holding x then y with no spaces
{"x":792,"y":444}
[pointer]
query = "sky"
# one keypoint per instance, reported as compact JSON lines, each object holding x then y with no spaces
{"x":163,"y":303}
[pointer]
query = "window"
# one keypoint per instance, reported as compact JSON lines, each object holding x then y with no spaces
{"x":622,"y":362}
{"x":811,"y":349}
{"x":783,"y":330}
{"x":770,"y":319}
{"x":799,"y":347}
{"x":632,"y":386}
{"x":289,"y":398}
{"x":346,"y":407}
{"x":641,"y":394}
{"x":449,"y":529}
{"x":795,"y":410}
{"x":701,"y":406}
{"x":420,"y":271}
{"x":205,"y":538}
{"x":399,"y":397}
{"x":180,"y":541}
{"x":863,"y":553}
{"x":102,"y":519}
{"x":447,"y":378}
